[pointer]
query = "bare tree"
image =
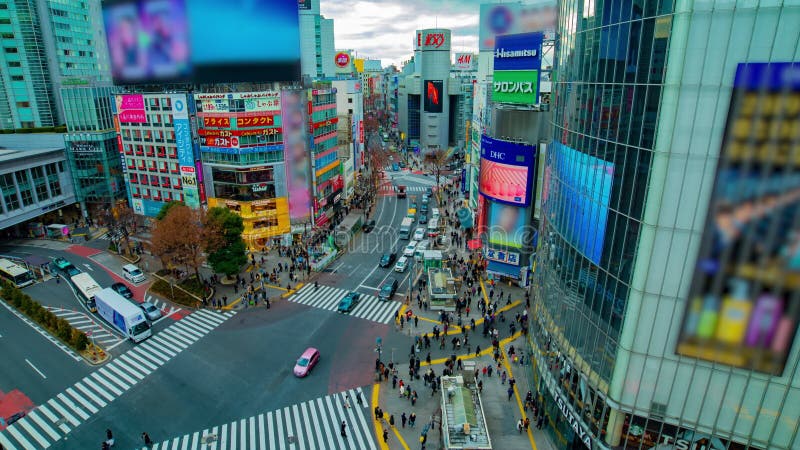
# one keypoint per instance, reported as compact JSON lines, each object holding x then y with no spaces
{"x":437,"y":160}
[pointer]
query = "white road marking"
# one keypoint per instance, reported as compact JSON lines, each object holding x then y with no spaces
{"x":36,"y":369}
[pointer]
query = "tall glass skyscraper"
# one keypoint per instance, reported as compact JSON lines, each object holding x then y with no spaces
{"x":667,"y":293}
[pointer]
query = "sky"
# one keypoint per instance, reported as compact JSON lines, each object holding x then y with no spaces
{"x":384,"y":29}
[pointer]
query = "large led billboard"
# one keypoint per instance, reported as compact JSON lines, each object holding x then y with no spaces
{"x":506,"y":170}
{"x":578,"y":193}
{"x":507,"y":224}
{"x":510,"y":18}
{"x":202,"y":41}
{"x":434,"y":97}
{"x":298,"y":164}
{"x":743,"y":305}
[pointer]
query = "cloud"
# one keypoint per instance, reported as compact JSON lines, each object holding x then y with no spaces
{"x":384,"y":29}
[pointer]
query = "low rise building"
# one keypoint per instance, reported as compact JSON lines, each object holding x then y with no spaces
{"x":463,"y":420}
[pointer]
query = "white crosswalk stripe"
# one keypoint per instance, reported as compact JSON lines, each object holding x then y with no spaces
{"x":313,"y":424}
{"x":369,"y":307}
{"x":84,"y":322}
{"x":49,"y":423}
{"x":166,"y":308}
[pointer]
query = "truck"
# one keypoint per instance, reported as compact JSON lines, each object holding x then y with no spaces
{"x":401,"y":191}
{"x":122,"y":314}
{"x":87,"y":289}
{"x":405,"y":228}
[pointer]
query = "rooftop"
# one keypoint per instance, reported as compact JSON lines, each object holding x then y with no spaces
{"x":463,"y":422}
{"x":31,"y":141}
{"x":441,"y":282}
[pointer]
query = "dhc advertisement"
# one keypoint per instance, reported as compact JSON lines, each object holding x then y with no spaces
{"x":506,"y":171}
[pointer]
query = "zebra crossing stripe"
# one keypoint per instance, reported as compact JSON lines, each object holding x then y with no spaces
{"x":69,"y":404}
{"x":262,"y":436}
{"x":41,"y":423}
{"x":12,"y":430}
{"x":101,"y":403}
{"x":64,"y":413}
{"x":49,"y":414}
{"x":34,"y":433}
{"x":86,"y":404}
{"x":5,"y":443}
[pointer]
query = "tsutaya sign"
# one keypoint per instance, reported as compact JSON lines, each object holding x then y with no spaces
{"x":574,"y":421}
{"x":433,"y":39}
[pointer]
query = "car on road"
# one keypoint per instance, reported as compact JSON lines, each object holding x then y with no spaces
{"x":429,"y":191}
{"x":65,"y":267}
{"x":150,"y":310}
{"x":133,"y":273}
{"x":425,"y":199}
{"x":369,"y":226}
{"x":388,"y":289}
{"x":348,"y":302}
{"x":424,"y":208}
{"x":413,"y":205}
{"x":387,"y":259}
{"x":396,"y":167}
{"x":419,"y":234}
{"x":123,"y":290}
{"x":423,"y":218}
{"x":401,"y":265}
{"x":410,"y":248}
{"x":306,"y":362}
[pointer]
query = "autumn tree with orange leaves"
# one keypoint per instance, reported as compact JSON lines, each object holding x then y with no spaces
{"x":178,"y":239}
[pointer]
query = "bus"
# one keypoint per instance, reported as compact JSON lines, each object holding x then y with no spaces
{"x":87,"y":289}
{"x":15,"y":273}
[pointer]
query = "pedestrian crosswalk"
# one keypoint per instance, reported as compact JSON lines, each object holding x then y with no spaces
{"x":86,"y":323}
{"x":51,"y":421}
{"x":166,"y":308}
{"x":315,"y":424}
{"x":326,"y":297}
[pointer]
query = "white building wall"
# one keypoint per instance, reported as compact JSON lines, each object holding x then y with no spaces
{"x":708,"y":40}
{"x":327,"y":47}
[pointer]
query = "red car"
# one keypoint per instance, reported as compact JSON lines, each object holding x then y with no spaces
{"x":307,"y":361}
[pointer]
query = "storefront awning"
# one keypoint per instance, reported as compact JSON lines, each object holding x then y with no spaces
{"x":506,"y":270}
{"x":465,"y":217}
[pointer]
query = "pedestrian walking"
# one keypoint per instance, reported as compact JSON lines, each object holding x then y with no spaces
{"x":540,"y":422}
{"x":510,"y":393}
{"x":385,"y":435}
{"x":519,"y":426}
{"x":347,"y":401}
{"x":480,"y":386}
{"x":146,"y":438}
{"x":109,"y":437}
{"x":403,"y":419}
{"x":342,"y":429}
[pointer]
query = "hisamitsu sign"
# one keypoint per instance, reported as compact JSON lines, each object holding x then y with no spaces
{"x":518,"y":52}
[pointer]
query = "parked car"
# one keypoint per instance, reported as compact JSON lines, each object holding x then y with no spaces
{"x":419,"y":234}
{"x":387,"y":259}
{"x":348,"y":302}
{"x":306,"y":362}
{"x":123,"y":290}
{"x":369,"y":226}
{"x":150,"y":310}
{"x":401,"y":265}
{"x":410,"y":248}
{"x":423,"y":218}
{"x":133,"y":273}
{"x":388,"y":289}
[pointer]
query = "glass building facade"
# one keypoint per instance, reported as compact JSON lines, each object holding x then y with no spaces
{"x":642,"y":90}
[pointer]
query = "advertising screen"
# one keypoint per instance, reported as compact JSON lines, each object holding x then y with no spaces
{"x":511,"y":18}
{"x":298,"y":164}
{"x":183,"y":142}
{"x":743,"y":308}
{"x":507,"y":224}
{"x":579,"y":187}
{"x":130,"y":108}
{"x":505,"y":170}
{"x":433,"y":96}
{"x":518,"y":52}
{"x":202,"y":41}
{"x":515,"y":86}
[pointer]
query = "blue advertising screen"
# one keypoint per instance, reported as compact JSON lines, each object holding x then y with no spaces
{"x":518,"y":52}
{"x":578,"y":192}
{"x":202,"y":41}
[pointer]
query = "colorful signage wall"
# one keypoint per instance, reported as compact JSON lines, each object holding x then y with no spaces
{"x":262,"y":101}
{"x":298,"y":165}
{"x":506,"y":170}
{"x":160,"y":41}
{"x":517,"y":63}
{"x":433,"y":96}
{"x":183,"y":142}
{"x":579,"y":187}
{"x":742,"y":308}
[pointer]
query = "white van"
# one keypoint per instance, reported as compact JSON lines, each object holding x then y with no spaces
{"x":434,"y":213}
{"x":133,"y":273}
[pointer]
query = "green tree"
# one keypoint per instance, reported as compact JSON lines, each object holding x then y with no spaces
{"x":224,"y":245}
{"x":79,"y":340}
{"x":165,"y":209}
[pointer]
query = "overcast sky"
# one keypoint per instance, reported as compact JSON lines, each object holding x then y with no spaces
{"x":384,"y":29}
